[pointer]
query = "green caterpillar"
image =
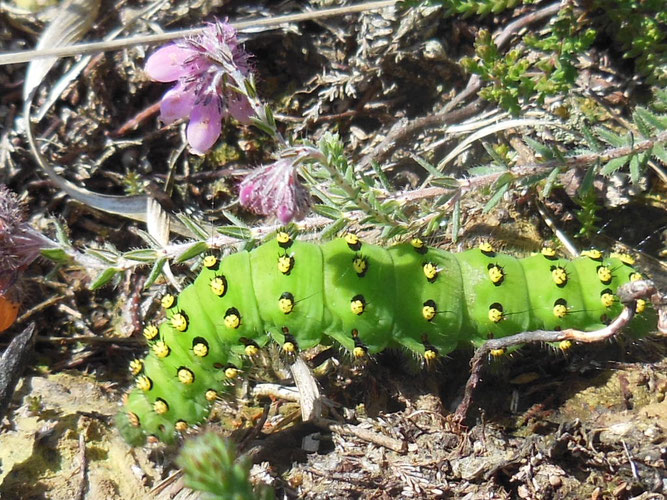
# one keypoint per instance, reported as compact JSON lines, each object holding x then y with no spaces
{"x":365,"y":298}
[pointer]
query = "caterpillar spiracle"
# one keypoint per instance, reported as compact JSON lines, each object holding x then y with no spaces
{"x":365,"y":298}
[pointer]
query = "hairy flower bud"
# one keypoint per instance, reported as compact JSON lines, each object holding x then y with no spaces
{"x":275,"y":189}
{"x":20,"y":244}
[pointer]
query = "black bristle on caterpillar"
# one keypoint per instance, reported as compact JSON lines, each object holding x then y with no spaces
{"x":365,"y":298}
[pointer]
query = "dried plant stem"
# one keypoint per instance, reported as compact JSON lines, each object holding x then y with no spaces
{"x":90,"y":48}
{"x":368,"y":435}
{"x":628,"y":294}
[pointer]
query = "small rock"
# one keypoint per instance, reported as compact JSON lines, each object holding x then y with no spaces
{"x":555,"y":481}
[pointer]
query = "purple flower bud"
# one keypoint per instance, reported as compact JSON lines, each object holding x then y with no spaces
{"x":20,"y":244}
{"x":276,"y":190}
{"x":209,"y":69}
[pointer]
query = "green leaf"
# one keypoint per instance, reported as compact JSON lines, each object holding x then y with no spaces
{"x":486,"y":170}
{"x":149,"y":239}
{"x":587,"y":181}
{"x":613,"y":165}
{"x":634,"y":169}
{"x":456,"y":221}
{"x":658,"y":123}
{"x":433,"y":225}
{"x":193,"y":250}
{"x":382,"y":177}
{"x":543,"y":150}
{"x":240,"y":233}
{"x":250,"y":88}
{"x":591,"y":140}
{"x":55,"y":254}
{"x":447,"y":182}
{"x":643,"y":127}
{"x":263,"y":126}
{"x":434,"y":172}
{"x":103,"y":255}
{"x":61,"y":235}
{"x":328,"y":211}
{"x":156,"y":270}
{"x":391,"y":231}
{"x":193,"y":226}
{"x":105,"y":277}
{"x":332,"y":229}
{"x":610,"y":137}
{"x":141,"y":255}
{"x":494,"y":154}
{"x":551,"y":179}
{"x":660,"y":152}
{"x":495,"y":199}
{"x":270,"y":119}
{"x":233,"y":219}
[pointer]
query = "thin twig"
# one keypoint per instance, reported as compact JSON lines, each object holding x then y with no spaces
{"x":391,"y":443}
{"x":276,"y":391}
{"x":404,"y":131}
{"x":254,"y":432}
{"x":90,"y":339}
{"x":633,"y":466}
{"x":627,"y":294}
{"x":93,"y":47}
{"x":83,"y":467}
{"x":562,"y":237}
{"x":40,"y":307}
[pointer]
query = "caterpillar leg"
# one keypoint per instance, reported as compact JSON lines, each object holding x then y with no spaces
{"x":628,"y":294}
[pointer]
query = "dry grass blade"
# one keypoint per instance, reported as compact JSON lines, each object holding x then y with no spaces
{"x":157,"y":223}
{"x":93,"y":47}
{"x":72,"y":22}
{"x":309,"y":393}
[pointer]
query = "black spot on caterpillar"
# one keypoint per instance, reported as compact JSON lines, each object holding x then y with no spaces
{"x":365,"y":298}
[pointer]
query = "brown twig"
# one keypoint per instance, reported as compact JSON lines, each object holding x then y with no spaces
{"x":628,"y":294}
{"x":83,"y":467}
{"x":90,"y":339}
{"x":40,"y":307}
{"x":391,"y":443}
{"x":134,"y":122}
{"x":254,"y":432}
{"x":403,"y":131}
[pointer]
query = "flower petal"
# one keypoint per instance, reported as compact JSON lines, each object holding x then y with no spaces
{"x":239,"y":107}
{"x":205,"y":125}
{"x":177,"y":103}
{"x":168,"y":63}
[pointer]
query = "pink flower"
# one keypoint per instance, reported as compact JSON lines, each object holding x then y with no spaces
{"x":276,"y":190}
{"x":209,"y":70}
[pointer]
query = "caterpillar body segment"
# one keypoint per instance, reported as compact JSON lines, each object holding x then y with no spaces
{"x":364,"y":297}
